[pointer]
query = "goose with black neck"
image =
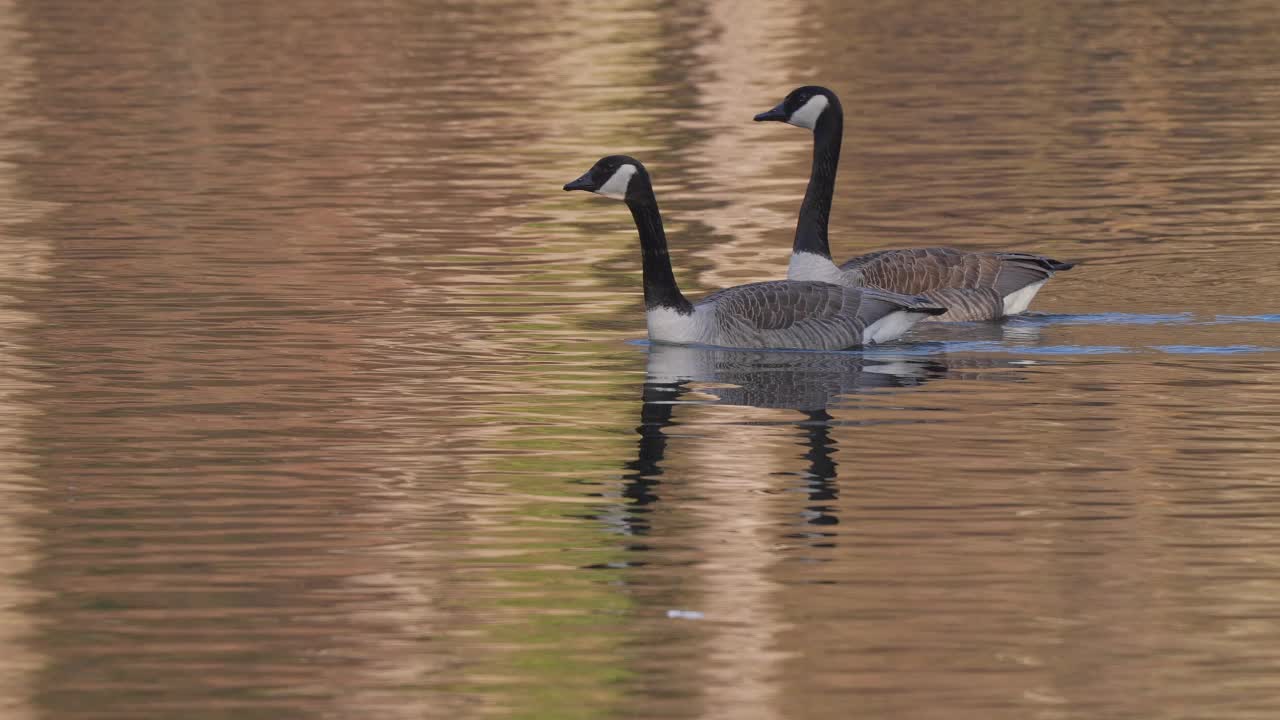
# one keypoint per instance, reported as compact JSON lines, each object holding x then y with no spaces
{"x":780,"y":314}
{"x":972,"y":285}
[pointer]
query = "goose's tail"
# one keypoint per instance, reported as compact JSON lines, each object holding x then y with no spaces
{"x":1045,"y":263}
{"x":911,"y":303}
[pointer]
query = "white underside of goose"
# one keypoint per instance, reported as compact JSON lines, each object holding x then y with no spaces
{"x":891,"y":326}
{"x":1018,"y":300}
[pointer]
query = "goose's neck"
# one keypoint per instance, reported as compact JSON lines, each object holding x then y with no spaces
{"x":660,"y":289}
{"x":811,"y":230}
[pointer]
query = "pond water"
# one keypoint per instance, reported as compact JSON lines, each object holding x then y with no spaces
{"x":321,"y":399}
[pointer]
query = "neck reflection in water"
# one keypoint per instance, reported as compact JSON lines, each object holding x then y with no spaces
{"x":808,"y":382}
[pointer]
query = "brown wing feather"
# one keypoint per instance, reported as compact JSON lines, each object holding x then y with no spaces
{"x":967,"y":305}
{"x":927,"y":270}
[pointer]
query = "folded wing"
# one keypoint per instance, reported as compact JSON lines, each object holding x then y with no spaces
{"x":973,"y":285}
{"x":816,"y":315}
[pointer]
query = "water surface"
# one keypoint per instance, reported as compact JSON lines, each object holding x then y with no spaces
{"x":321,"y":399}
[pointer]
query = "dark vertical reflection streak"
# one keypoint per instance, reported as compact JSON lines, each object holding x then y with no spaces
{"x":641,"y":483}
{"x":823,"y":483}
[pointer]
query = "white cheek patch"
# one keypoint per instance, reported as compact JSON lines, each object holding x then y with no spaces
{"x":616,"y":187}
{"x":807,"y":115}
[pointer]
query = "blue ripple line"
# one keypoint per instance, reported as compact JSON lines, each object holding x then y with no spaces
{"x":1248,"y":318}
{"x":1212,"y":349}
{"x":1116,"y":318}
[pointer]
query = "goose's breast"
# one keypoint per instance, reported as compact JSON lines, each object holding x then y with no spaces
{"x":669,"y":325}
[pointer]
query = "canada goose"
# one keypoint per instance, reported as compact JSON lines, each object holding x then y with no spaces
{"x":972,"y":285}
{"x":779,"y":314}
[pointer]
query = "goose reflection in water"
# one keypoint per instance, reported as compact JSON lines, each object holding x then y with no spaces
{"x":808,"y":382}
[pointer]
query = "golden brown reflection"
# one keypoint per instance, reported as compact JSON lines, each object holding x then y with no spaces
{"x":22,"y":262}
{"x":746,"y":61}
{"x":317,"y":400}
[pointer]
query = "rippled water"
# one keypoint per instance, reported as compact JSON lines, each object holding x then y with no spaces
{"x":320,"y":398}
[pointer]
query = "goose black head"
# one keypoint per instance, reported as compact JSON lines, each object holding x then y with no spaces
{"x":802,"y":107}
{"x":611,"y":177}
